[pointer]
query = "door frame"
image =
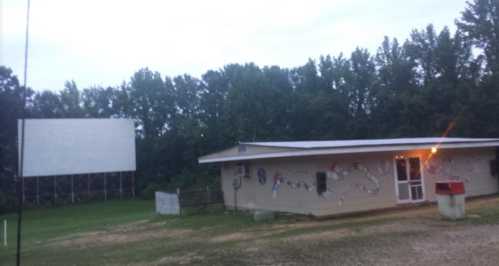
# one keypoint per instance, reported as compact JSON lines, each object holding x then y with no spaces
{"x":395,"y":178}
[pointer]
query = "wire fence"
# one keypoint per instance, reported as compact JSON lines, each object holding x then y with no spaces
{"x":199,"y":198}
{"x":60,"y":190}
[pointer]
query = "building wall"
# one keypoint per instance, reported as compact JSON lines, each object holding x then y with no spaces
{"x":472,"y":166}
{"x":355,"y":182}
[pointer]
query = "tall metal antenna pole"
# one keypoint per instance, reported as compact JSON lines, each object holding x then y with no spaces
{"x":20,"y":174}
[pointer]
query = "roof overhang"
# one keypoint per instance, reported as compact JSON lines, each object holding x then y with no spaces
{"x":350,"y":150}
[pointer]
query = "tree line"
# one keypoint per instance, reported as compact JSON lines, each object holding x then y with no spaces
{"x":433,"y":83}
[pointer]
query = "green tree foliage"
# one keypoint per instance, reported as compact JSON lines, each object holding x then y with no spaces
{"x":395,"y":87}
{"x":70,"y":100}
{"x":10,"y":108}
{"x":47,"y":104}
{"x":480,"y":23}
{"x":434,"y":82}
{"x":99,"y":102}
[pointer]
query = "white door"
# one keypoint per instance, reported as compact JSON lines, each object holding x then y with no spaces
{"x":409,"y":180}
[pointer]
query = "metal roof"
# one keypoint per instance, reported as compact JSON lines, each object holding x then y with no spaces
{"x":364,"y":142}
{"x":309,"y":148}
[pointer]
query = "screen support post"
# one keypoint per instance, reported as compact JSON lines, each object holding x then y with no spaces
{"x":20,"y":175}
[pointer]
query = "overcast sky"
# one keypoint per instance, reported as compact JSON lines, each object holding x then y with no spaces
{"x":104,"y":42}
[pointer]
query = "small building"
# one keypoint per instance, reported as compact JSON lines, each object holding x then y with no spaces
{"x":342,"y":176}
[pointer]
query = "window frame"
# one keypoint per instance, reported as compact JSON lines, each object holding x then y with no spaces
{"x":409,"y":180}
{"x":318,"y":176}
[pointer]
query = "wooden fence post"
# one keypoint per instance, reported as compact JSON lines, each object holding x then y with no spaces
{"x":5,"y":233}
{"x":37,"y":190}
{"x":179,"y":206}
{"x":105,"y":186}
{"x":133,"y":184}
{"x":235,"y":201}
{"x":208,"y":195}
{"x":121,"y":186}
{"x":55,"y":189}
{"x":88,"y":186}
{"x":223,"y":200}
{"x":72,"y":190}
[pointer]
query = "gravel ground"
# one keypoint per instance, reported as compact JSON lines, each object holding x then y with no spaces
{"x":414,"y":237}
{"x":416,"y":242}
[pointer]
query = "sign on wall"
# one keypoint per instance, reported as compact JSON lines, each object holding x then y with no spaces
{"x":77,"y":146}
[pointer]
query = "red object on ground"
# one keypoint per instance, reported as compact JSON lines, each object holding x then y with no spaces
{"x":450,"y":187}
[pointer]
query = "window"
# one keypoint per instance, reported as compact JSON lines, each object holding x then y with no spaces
{"x":321,"y":182}
{"x":409,"y":180}
{"x":415,"y":170}
{"x":401,"y":170}
{"x":494,"y":168}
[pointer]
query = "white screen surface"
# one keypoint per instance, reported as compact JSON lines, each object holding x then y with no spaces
{"x":77,"y":146}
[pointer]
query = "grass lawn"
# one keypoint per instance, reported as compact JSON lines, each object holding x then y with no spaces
{"x":42,"y":225}
{"x":128,"y":232}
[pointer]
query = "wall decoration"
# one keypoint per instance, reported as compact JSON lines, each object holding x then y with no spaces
{"x":262,"y":176}
{"x":340,"y":202}
{"x":332,"y":175}
{"x":380,"y":170}
{"x":432,"y":168}
{"x":347,"y":180}
{"x":371,"y":178}
{"x":339,"y":173}
{"x":385,"y":168}
{"x":440,"y":167}
{"x":278,"y":179}
{"x":366,"y":180}
{"x":388,"y":166}
{"x":461,"y":168}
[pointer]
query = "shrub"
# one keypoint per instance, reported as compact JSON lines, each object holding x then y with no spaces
{"x":148,"y":191}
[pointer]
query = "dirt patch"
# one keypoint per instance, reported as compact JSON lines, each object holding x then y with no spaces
{"x":232,"y":237}
{"x":133,"y":226}
{"x":298,"y":225}
{"x":103,"y":238}
{"x":396,"y":227}
{"x":185,"y":259}
{"x":334,"y":234}
{"x":324,"y":235}
{"x":246,"y":235}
